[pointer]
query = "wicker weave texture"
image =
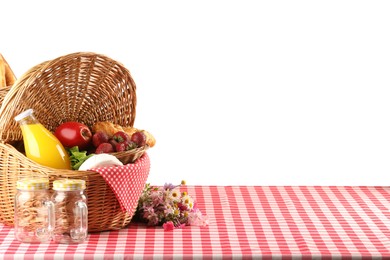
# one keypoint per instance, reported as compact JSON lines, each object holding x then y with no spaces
{"x":84,"y":87}
{"x":3,"y":92}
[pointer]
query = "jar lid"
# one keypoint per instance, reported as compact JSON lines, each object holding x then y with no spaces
{"x":33,"y":184}
{"x":68,"y":185}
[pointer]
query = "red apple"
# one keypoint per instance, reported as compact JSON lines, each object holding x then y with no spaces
{"x":74,"y":134}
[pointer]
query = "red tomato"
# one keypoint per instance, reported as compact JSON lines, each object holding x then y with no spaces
{"x":74,"y":134}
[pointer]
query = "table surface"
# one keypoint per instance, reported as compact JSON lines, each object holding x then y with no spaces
{"x":272,"y":222}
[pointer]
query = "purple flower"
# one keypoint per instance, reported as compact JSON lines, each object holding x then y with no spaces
{"x":168,"y":186}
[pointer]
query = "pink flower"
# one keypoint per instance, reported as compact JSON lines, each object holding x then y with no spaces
{"x":181,"y":225}
{"x":168,"y":226}
{"x":156,"y":198}
{"x":196,"y":218}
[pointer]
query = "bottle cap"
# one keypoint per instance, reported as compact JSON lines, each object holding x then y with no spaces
{"x":24,"y":114}
{"x":33,"y":184}
{"x":68,"y":185}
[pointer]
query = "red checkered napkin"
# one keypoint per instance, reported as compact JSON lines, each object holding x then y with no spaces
{"x":127,"y":182}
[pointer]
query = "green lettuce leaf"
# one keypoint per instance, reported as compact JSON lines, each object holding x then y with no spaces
{"x":77,"y":158}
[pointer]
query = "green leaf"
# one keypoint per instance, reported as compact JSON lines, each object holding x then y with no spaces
{"x":77,"y":158}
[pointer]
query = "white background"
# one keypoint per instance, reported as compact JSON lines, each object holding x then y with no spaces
{"x":235,"y":92}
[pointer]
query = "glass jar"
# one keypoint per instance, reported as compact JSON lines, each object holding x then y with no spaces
{"x":34,"y":212}
{"x":70,"y":204}
{"x":41,"y":145}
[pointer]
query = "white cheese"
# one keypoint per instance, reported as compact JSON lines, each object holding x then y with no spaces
{"x":100,"y":160}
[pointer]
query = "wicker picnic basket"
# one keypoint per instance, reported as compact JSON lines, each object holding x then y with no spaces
{"x":84,"y":87}
{"x":3,"y":92}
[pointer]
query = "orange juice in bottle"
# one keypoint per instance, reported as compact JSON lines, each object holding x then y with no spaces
{"x":40,"y":144}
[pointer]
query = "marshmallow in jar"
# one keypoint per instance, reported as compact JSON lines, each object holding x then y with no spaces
{"x":34,"y":212}
{"x":70,"y":204}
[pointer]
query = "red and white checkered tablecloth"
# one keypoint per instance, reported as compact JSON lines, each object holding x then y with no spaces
{"x":281,"y":222}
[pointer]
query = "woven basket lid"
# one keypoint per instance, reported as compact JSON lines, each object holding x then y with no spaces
{"x":83,"y":86}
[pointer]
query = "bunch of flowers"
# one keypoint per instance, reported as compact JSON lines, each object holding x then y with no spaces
{"x":169,"y":207}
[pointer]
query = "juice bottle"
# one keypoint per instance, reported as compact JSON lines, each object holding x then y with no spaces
{"x":40,"y":144}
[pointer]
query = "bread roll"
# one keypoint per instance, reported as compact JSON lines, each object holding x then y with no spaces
{"x":3,"y":82}
{"x":7,"y":77}
{"x":150,"y":140}
{"x":107,"y":127}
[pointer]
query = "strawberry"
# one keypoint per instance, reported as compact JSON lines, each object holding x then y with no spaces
{"x":125,"y":146}
{"x":113,"y":142}
{"x":120,"y":147}
{"x":99,"y":137}
{"x":130,"y":145}
{"x":104,"y":148}
{"x":120,"y":137}
{"x":139,"y":138}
